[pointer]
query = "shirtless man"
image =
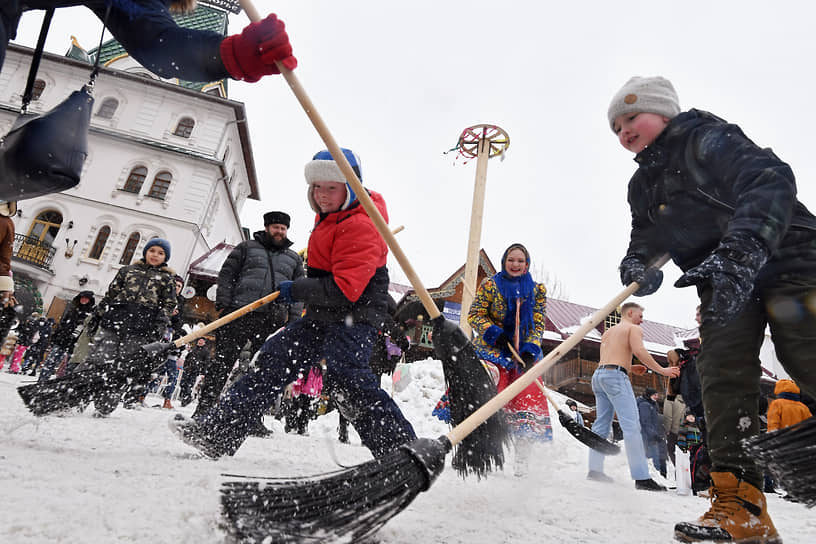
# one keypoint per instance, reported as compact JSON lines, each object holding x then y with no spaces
{"x":613,"y":394}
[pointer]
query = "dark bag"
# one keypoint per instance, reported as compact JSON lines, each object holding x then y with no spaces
{"x":44,"y":154}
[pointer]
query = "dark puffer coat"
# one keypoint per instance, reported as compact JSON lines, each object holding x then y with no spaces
{"x":73,"y":321}
{"x":651,"y":427}
{"x":147,"y":31}
{"x":245,"y":276}
{"x":702,"y":179}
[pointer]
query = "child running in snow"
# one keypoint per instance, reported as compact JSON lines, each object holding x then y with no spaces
{"x":346,"y":297}
{"x":135,"y":311}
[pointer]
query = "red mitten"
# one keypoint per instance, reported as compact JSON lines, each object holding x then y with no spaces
{"x":251,"y":54}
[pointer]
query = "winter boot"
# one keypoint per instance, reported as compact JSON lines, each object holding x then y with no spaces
{"x":738,"y":513}
{"x":193,"y":434}
{"x":649,"y":485}
{"x":167,"y":404}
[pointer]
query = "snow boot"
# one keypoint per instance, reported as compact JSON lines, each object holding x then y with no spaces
{"x":649,"y":485}
{"x":193,"y":434}
{"x":738,"y":513}
{"x":167,"y":404}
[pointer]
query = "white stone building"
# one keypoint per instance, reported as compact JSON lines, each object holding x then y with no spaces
{"x":164,"y":160}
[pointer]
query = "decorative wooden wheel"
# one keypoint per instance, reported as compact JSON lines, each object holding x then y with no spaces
{"x":496,"y":139}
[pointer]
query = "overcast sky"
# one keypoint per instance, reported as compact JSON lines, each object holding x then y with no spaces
{"x":398,"y":85}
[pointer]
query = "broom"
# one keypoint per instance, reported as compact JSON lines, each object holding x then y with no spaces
{"x":583,"y":434}
{"x":788,"y":454}
{"x":469,"y":385}
{"x":355,"y":502}
{"x":78,"y":388}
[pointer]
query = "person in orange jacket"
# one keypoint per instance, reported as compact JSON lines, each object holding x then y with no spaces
{"x":787,"y":409}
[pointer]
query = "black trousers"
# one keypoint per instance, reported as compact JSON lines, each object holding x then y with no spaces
{"x":254,"y":327}
{"x":730,"y":370}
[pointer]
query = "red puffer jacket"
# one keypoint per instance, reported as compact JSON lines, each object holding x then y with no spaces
{"x":346,"y":261}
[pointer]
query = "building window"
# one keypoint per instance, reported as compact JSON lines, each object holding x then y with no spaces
{"x":135,"y":180}
{"x":160,"y":185}
{"x":99,"y":243}
{"x":184,"y":127}
{"x":130,"y":248}
{"x":612,"y":319}
{"x":39,"y":87}
{"x":108,"y":108}
{"x":45,"y":227}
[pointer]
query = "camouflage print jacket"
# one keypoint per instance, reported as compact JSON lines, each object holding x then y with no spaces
{"x":702,"y":179}
{"x":140,"y":299}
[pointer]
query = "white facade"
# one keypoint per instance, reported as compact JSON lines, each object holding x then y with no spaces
{"x":211,"y":173}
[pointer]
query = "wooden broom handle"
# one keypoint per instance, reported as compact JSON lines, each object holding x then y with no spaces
{"x":351,"y":177}
{"x":538,"y":381}
{"x":458,"y":433}
{"x":232,"y":316}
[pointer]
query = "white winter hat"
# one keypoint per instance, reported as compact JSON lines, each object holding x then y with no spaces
{"x":644,"y":95}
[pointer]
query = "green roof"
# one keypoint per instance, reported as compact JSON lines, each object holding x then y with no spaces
{"x":202,"y":18}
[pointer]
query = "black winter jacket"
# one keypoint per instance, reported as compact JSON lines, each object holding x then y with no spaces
{"x":73,"y":321}
{"x":702,"y":179}
{"x":147,"y":31}
{"x":245,"y":276}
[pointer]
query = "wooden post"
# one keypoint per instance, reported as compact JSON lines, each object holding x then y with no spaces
{"x":483,"y":142}
{"x":475,"y":236}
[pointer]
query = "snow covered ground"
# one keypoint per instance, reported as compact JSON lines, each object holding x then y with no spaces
{"x":126,"y":478}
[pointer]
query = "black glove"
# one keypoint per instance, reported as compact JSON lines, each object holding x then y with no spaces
{"x":633,"y":269}
{"x":730,"y":270}
{"x":502,"y":341}
{"x":528,"y":358}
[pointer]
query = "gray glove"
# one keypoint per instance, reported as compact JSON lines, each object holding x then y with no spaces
{"x":634,"y":269}
{"x":730,"y":270}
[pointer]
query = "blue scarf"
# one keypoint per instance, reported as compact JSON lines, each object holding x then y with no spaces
{"x":512,"y":289}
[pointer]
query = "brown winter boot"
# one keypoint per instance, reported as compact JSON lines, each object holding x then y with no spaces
{"x":167,"y":404}
{"x":738,"y":513}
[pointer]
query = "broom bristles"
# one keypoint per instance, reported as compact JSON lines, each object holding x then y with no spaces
{"x":788,"y":455}
{"x":59,"y":394}
{"x":348,"y":504}
{"x":469,"y":387}
{"x":586,"y":436}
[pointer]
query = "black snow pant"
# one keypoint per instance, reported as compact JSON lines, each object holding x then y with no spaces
{"x":730,"y":369}
{"x":254,"y":327}
{"x":114,"y":356}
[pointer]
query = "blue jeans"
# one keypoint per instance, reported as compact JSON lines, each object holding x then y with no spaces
{"x":613,"y":394}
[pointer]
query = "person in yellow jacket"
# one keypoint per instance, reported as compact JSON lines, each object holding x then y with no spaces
{"x":787,"y":409}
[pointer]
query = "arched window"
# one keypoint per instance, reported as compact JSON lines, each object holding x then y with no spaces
{"x":130,"y":248}
{"x":135,"y":180}
{"x":108,"y":108}
{"x":39,"y":87}
{"x":99,"y":244}
{"x":160,"y":185}
{"x":184,"y":127}
{"x":45,"y":227}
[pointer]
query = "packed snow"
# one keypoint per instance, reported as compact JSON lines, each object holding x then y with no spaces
{"x":126,"y":478}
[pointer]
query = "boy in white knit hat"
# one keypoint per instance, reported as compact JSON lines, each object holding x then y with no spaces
{"x":726,"y":211}
{"x":345,"y":293}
